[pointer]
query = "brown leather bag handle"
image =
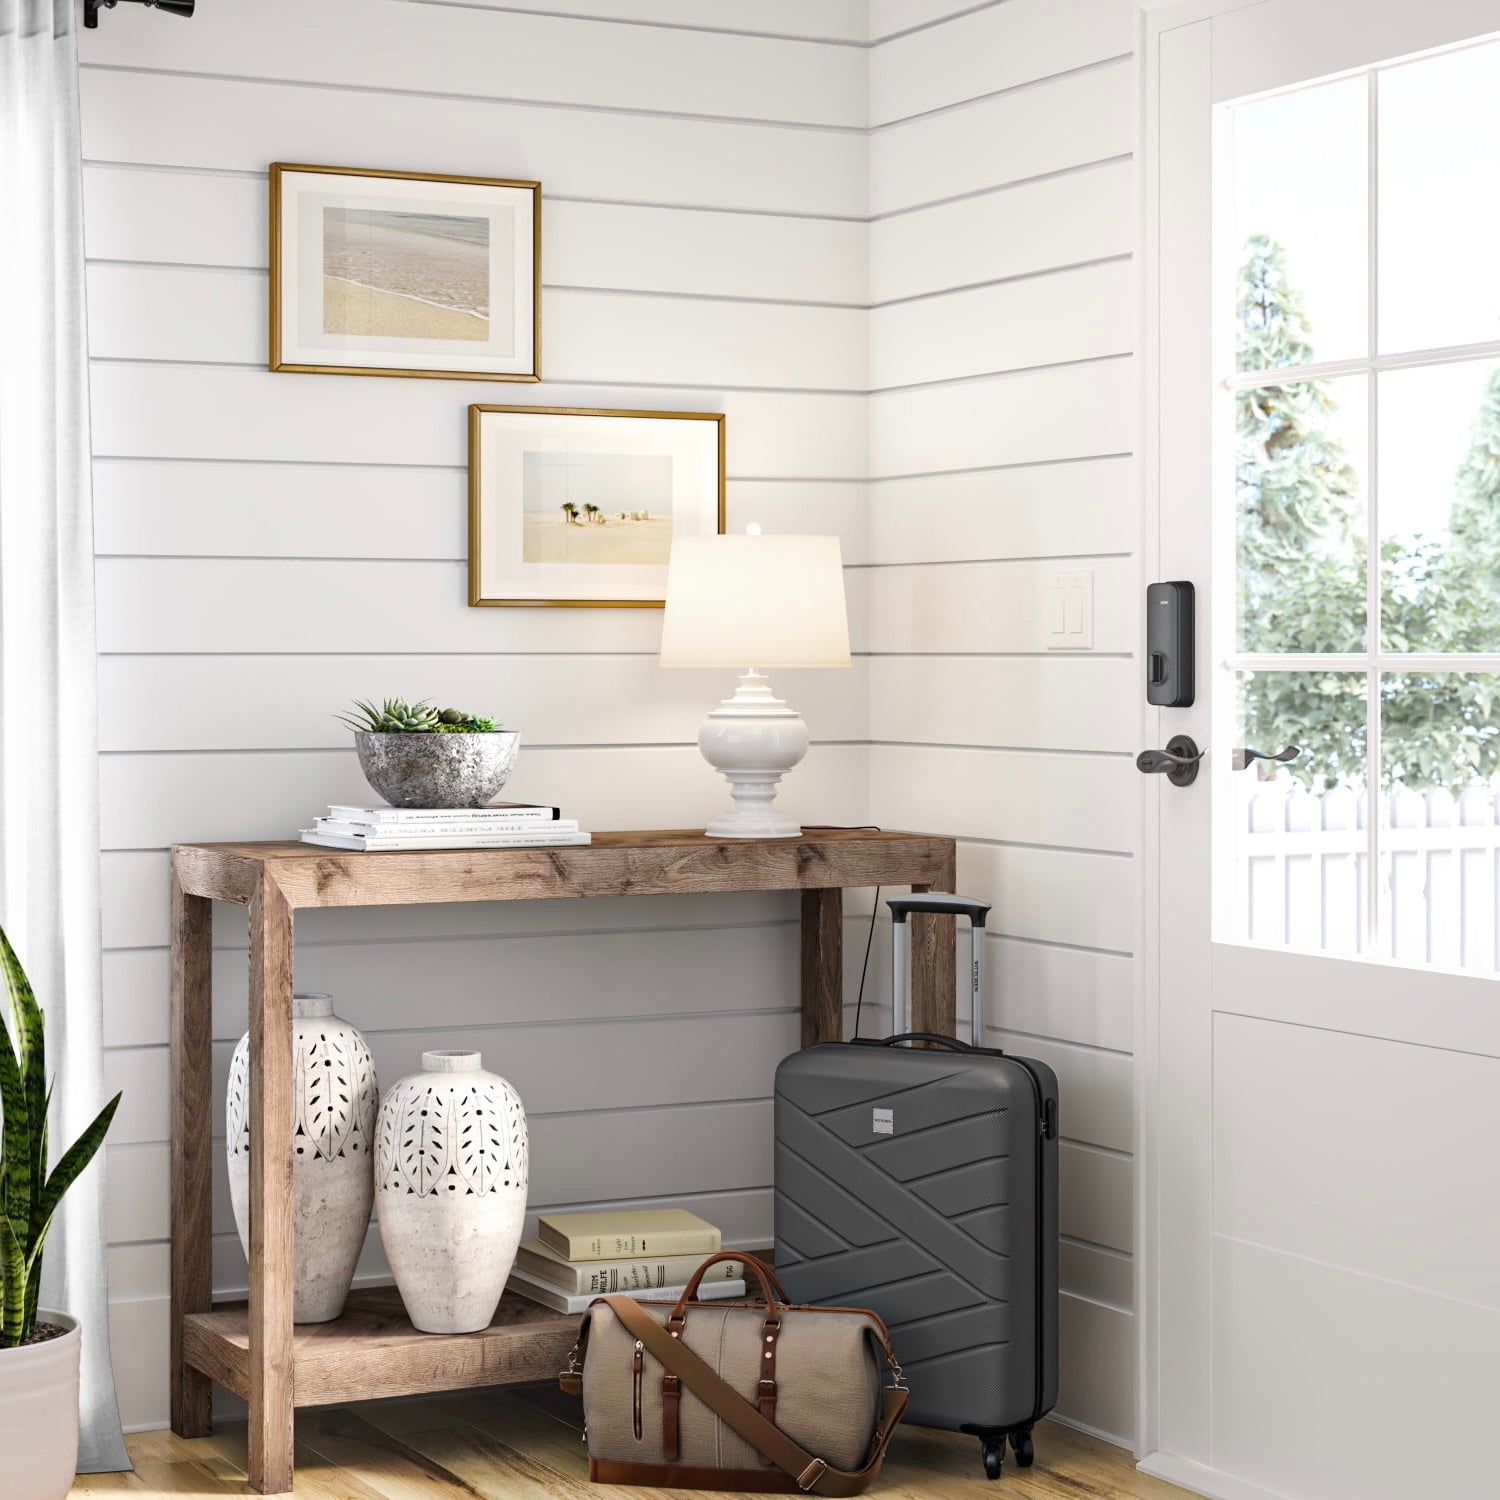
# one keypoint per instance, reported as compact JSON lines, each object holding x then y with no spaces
{"x":772,"y":1292}
{"x":812,"y":1474}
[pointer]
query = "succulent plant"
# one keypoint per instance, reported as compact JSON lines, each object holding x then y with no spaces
{"x":397,"y":716}
{"x":394,"y":716}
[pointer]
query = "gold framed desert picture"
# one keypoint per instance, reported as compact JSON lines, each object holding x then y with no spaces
{"x":404,"y":273}
{"x":580,"y":506}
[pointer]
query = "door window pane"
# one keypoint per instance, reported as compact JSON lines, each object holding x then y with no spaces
{"x":1390,"y":852}
{"x":1300,"y":225}
{"x":1299,"y":839}
{"x":1439,"y":489}
{"x":1439,"y":218}
{"x":1301,"y":520}
{"x":1440,"y":819}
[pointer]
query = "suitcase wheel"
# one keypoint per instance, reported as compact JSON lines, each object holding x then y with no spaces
{"x":994,"y":1456}
{"x":1020,"y":1440}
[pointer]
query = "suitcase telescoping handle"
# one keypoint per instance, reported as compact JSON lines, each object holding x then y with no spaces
{"x":948,"y":906}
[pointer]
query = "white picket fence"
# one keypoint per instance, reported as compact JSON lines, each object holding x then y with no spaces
{"x":1301,"y":863}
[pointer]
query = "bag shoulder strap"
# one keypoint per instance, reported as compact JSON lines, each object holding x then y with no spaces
{"x":812,"y":1474}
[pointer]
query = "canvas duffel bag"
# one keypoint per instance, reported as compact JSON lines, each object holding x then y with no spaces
{"x":753,"y":1395}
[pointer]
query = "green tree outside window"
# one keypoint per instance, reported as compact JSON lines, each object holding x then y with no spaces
{"x":1303,"y":550}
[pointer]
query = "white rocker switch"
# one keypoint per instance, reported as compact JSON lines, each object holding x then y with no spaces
{"x":1069,"y":607}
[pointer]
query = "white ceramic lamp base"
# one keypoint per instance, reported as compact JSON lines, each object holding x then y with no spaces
{"x":753,"y":739}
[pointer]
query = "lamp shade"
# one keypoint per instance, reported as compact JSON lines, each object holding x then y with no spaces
{"x":755,"y":601}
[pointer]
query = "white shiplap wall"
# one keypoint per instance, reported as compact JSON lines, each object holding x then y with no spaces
{"x":272,"y":545}
{"x":1002,"y":416}
{"x":888,"y":239}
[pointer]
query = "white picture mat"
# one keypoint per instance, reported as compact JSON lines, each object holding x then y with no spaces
{"x":504,"y":440}
{"x":511,"y":212}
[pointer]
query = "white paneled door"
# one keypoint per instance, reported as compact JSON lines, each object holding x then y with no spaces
{"x":1320,"y":1201}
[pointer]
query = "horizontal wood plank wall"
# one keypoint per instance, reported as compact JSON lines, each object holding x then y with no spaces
{"x":888,"y":238}
{"x":272,"y":545}
{"x":1002,"y":418}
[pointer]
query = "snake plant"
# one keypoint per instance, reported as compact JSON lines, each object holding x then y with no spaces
{"x":29,"y":1195}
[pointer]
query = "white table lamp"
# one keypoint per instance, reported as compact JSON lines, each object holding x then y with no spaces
{"x":776,"y":601}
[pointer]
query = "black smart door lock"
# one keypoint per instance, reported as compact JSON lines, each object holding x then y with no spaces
{"x":1169,"y":645}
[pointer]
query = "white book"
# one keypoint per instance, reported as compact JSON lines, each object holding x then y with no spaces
{"x":339,"y":828}
{"x":529,"y":811}
{"x":550,"y":1296}
{"x":375,"y":845}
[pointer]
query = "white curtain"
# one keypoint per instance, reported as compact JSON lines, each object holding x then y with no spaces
{"x":49,"y":799}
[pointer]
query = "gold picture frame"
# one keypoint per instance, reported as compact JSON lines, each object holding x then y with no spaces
{"x":297,"y":289}
{"x":493,"y":553}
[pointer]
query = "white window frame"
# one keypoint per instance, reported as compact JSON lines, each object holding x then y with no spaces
{"x":1374,"y":661}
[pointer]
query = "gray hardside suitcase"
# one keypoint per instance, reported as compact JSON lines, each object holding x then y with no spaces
{"x":922,"y":1184}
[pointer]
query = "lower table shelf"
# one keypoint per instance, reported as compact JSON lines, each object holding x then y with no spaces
{"x":373,"y":1351}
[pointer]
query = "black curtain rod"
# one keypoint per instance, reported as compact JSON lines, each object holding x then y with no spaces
{"x":91,"y":8}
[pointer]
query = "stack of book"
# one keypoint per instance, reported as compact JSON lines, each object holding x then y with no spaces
{"x":506,"y":825}
{"x":647,"y":1253}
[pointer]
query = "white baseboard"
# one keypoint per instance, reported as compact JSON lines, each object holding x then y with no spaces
{"x":1113,"y":1438}
{"x":1202,"y":1480}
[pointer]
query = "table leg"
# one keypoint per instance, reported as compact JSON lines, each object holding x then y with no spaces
{"x":271,"y":1127}
{"x":192,"y":1147}
{"x":933,"y":976}
{"x":822,"y":966}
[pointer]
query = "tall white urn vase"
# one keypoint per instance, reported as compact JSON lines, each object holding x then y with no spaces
{"x":450,"y":1189}
{"x":39,"y":1414}
{"x":335,"y":1095}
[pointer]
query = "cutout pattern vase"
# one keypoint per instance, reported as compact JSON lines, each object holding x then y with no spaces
{"x":450,"y":1175}
{"x":335,"y":1096}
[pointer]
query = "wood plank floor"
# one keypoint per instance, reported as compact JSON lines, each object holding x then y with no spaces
{"x":525,"y":1443}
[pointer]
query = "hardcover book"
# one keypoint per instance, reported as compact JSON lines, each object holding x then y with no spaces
{"x":383,"y":814}
{"x":541,"y":839}
{"x":598,"y":1277}
{"x":619,"y":1234}
{"x":563,"y":1302}
{"x":340,"y":828}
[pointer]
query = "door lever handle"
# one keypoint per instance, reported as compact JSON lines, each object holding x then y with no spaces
{"x":1153,"y":762}
{"x":1178,"y":762}
{"x":1243,"y":756}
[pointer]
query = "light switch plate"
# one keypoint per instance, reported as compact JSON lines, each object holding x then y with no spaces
{"x":1069,"y":606}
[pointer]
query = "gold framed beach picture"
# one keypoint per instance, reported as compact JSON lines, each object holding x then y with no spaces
{"x":405,"y":273}
{"x":577,"y":506}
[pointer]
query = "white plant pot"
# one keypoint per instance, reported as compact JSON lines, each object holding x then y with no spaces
{"x":333,"y":1183}
{"x":39,"y":1415}
{"x":450,"y":1190}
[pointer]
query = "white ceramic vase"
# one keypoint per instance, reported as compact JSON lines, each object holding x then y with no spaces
{"x":39,"y":1415}
{"x":333,"y":1184}
{"x":450,"y":1188}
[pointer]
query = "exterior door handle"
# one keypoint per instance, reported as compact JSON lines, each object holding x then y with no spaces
{"x":1178,"y":762}
{"x":1244,"y":755}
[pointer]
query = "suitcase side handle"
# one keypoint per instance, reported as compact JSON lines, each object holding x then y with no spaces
{"x":941,"y":904}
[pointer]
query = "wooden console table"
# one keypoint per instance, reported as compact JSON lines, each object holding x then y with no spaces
{"x":372,"y":1350}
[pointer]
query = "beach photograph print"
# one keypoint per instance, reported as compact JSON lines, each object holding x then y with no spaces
{"x":404,"y":274}
{"x":580,"y":506}
{"x":394,"y":275}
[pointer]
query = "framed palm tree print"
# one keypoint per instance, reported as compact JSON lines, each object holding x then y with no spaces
{"x":578,"y":506}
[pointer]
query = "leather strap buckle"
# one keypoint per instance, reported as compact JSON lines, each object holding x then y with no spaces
{"x":768,"y":1387}
{"x":811,"y":1474}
